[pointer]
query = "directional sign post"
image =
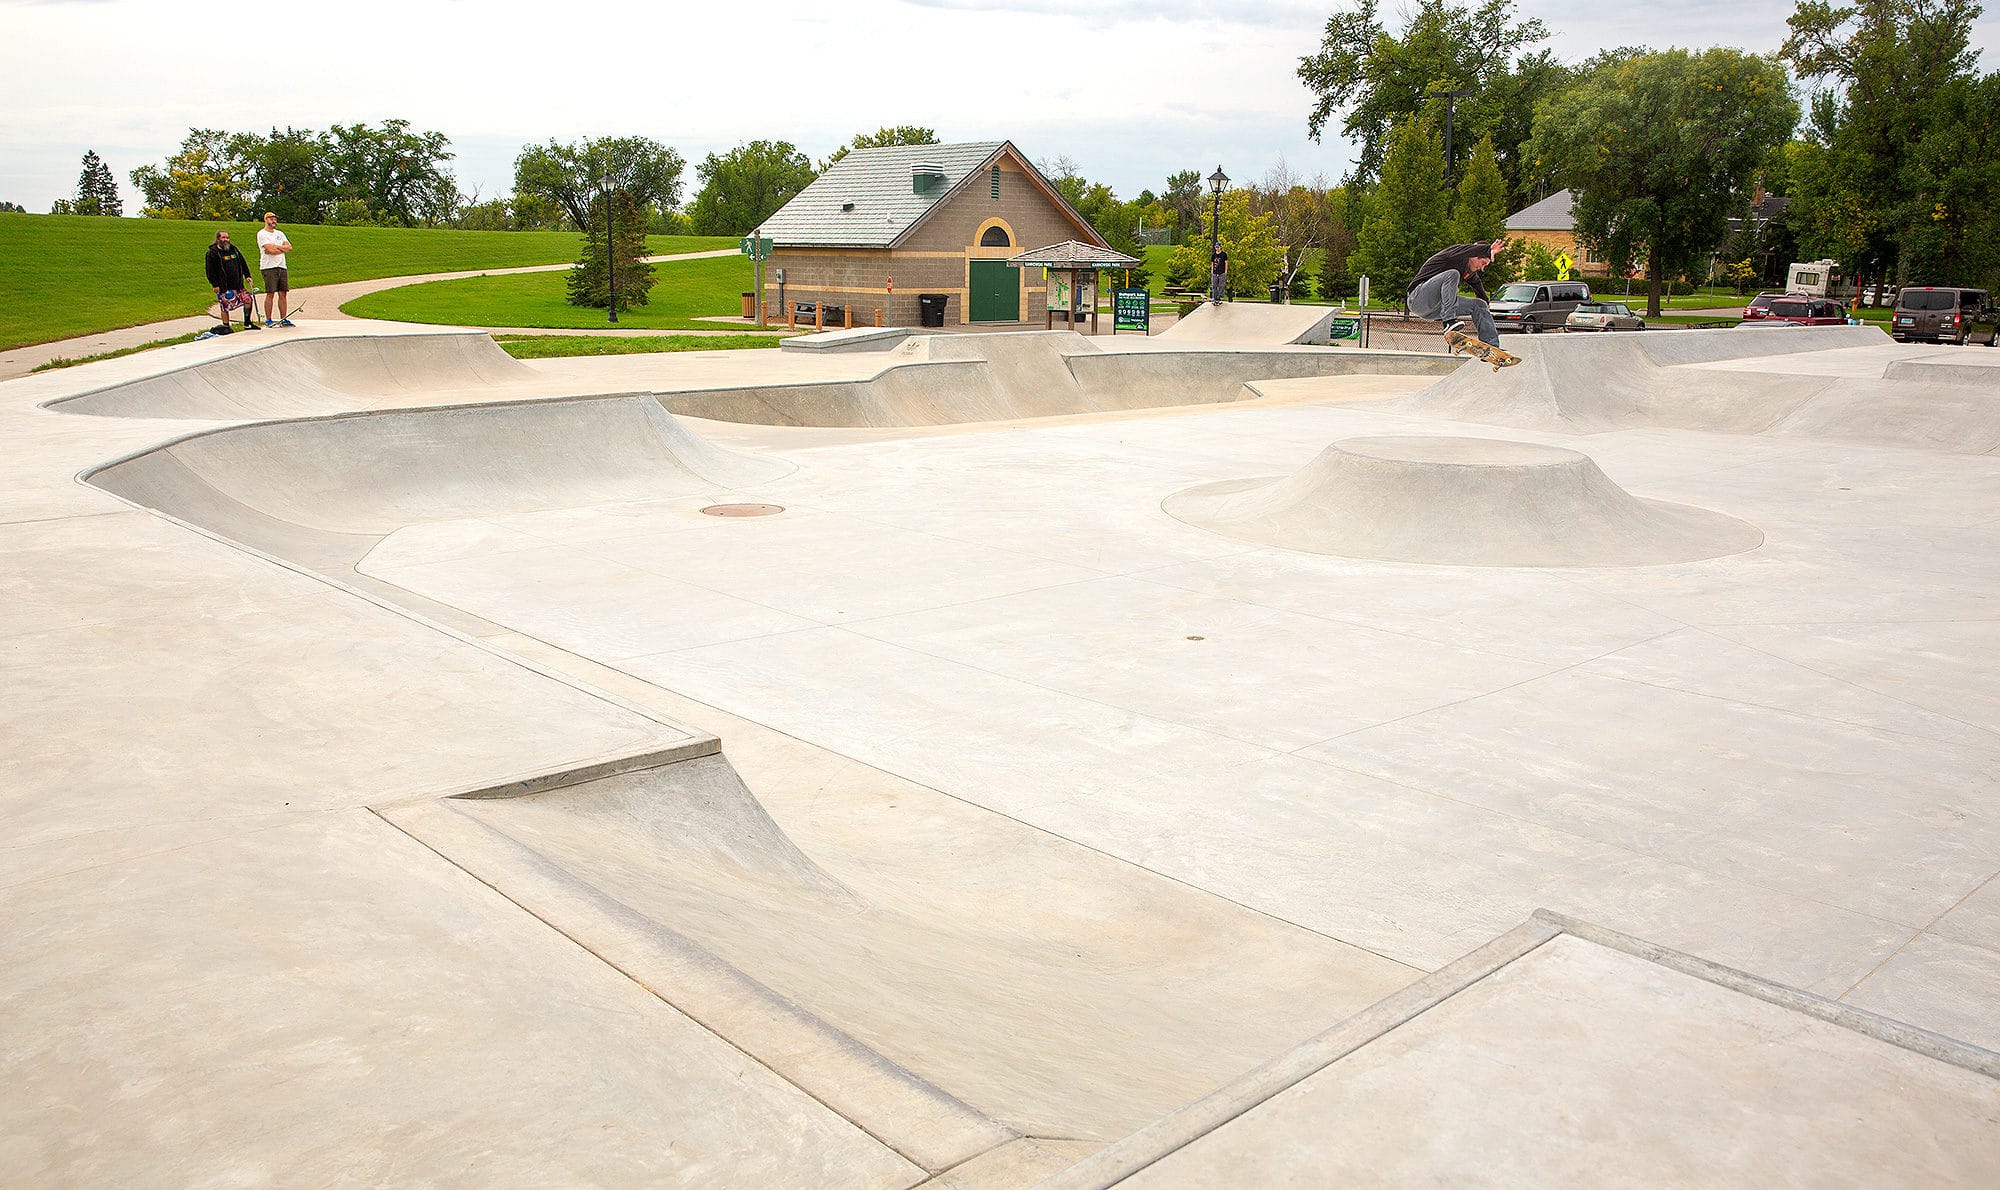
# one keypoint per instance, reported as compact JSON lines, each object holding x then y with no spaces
{"x":758,"y":248}
{"x":754,"y":247}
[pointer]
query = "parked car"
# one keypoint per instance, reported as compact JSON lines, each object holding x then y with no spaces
{"x":1939,"y":314}
{"x":1603,"y":316}
{"x":1534,"y":306}
{"x":1760,"y":306}
{"x":1800,"y":310}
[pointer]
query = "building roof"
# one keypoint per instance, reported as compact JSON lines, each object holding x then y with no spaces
{"x":865,"y":199}
{"x":1073,"y":254}
{"x":1550,"y":214}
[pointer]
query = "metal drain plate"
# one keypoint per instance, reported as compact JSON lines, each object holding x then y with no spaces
{"x":743,"y":510}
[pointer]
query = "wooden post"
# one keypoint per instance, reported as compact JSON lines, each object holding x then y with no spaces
{"x":819,"y":315}
{"x":791,"y":316}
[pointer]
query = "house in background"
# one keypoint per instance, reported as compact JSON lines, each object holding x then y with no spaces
{"x":934,"y":219}
{"x":1551,"y":224}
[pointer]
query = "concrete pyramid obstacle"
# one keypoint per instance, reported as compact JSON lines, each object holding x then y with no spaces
{"x":1461,"y":502}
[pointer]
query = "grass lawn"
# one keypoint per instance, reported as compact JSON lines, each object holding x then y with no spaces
{"x":67,"y":275}
{"x":683,"y":290}
{"x":553,"y":346}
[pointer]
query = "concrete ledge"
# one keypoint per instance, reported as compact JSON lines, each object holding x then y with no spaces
{"x":861,"y":338}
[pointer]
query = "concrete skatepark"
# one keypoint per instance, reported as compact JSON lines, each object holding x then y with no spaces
{"x":1195,"y":761}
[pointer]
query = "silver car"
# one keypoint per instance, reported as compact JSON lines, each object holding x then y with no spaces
{"x":1603,"y":316}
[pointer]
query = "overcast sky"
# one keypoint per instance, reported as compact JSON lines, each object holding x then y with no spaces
{"x":1129,"y":90}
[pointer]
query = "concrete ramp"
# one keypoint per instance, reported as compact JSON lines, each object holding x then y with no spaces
{"x":1562,"y":1054}
{"x":1463,"y":502}
{"x":306,"y":377}
{"x":1252,"y":324}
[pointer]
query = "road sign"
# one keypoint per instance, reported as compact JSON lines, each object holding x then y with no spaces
{"x":754,"y":248}
{"x":1563,"y":265}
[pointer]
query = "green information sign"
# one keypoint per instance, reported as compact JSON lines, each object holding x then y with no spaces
{"x":754,"y":248}
{"x":1344,"y":328}
{"x":1131,"y":310}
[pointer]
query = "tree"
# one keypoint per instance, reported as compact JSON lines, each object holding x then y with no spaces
{"x":1254,"y":252}
{"x":568,"y":175}
{"x":1379,"y":79}
{"x":590,"y":281}
{"x":290,"y":172}
{"x":397,"y":175}
{"x":12,"y":208}
{"x":204,"y":180}
{"x":1407,"y":212}
{"x":1479,"y":211}
{"x":96,"y":189}
{"x":1183,"y":201}
{"x":1301,"y":217}
{"x":901,"y":134}
{"x":1661,"y":148}
{"x":744,"y":186}
{"x":1901,"y":166}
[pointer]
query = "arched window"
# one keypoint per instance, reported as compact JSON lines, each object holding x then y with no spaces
{"x":995,"y":237}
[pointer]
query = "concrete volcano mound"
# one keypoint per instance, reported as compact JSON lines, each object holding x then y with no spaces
{"x":1460,"y":502}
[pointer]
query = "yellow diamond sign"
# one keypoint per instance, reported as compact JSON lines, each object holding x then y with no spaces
{"x":1563,"y":266}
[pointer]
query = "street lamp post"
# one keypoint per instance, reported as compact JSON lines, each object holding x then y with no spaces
{"x":1448,"y":97}
{"x":610,"y":253}
{"x":1216,"y":181}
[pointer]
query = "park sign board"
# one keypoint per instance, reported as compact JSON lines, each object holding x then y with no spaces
{"x":1131,"y":310}
{"x":1344,"y":328}
{"x":754,"y":247}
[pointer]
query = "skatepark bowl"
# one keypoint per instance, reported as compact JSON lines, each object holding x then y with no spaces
{"x":969,"y":760}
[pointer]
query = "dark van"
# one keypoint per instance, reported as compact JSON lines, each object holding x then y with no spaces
{"x":1941,"y":314}
{"x":1535,"y":306}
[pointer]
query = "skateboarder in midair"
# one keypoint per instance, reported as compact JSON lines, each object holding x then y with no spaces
{"x":1434,"y":294}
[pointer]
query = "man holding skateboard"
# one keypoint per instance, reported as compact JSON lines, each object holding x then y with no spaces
{"x":229,"y":275}
{"x":1434,"y":294}
{"x":271,"y":248}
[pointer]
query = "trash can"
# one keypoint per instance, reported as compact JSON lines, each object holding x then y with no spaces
{"x":749,"y":305}
{"x":930,"y":308}
{"x":1277,"y":293}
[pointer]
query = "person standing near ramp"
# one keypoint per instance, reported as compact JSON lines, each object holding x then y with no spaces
{"x":271,"y":248}
{"x":1434,"y":293}
{"x":229,"y":275}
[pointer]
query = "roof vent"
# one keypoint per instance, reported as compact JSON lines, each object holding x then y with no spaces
{"x":926,"y":177}
{"x":847,"y":205}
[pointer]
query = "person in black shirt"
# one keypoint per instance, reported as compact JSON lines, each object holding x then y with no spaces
{"x":228,"y":271}
{"x":1434,"y":291}
{"x":1218,"y":277}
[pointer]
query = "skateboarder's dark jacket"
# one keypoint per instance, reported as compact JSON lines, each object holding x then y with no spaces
{"x":226,"y":267}
{"x":1459,"y":257}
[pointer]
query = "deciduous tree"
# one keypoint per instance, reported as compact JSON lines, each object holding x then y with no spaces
{"x":882,"y":138}
{"x":745,"y":186}
{"x":1661,"y":148}
{"x":568,"y":175}
{"x":205,"y":179}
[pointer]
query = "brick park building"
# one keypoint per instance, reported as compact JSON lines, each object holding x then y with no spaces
{"x":934,"y":219}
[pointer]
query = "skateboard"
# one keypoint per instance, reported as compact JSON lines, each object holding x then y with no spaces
{"x":1460,"y":343}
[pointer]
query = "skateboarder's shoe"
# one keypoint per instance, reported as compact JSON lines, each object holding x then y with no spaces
{"x":269,"y":323}
{"x":282,"y":322}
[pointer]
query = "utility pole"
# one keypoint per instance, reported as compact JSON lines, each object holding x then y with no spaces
{"x":610,"y":253}
{"x":1448,"y":97}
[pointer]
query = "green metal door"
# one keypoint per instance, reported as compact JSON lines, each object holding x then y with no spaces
{"x":996,"y":292}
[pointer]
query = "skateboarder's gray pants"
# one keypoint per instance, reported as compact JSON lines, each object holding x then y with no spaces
{"x":1218,"y":286}
{"x":1439,"y":298}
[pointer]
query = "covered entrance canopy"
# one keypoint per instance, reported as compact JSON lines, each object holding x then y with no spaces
{"x":1072,"y":269}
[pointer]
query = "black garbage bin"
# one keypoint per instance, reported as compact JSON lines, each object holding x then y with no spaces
{"x":1277,"y":293}
{"x":930,"y":308}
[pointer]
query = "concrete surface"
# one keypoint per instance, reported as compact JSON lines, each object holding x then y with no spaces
{"x":972,"y":811}
{"x":1456,"y":1082}
{"x":1252,"y":324}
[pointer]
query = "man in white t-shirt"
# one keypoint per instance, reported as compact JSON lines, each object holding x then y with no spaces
{"x":271,"y":248}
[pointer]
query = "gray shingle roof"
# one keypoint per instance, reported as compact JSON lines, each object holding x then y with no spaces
{"x":877,"y":182}
{"x":1072,"y":254}
{"x":1550,"y":214}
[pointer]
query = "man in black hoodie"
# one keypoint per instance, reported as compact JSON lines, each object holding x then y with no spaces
{"x":228,"y":272}
{"x":1434,"y":290}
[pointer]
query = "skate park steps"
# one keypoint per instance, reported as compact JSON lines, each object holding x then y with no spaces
{"x":1462,"y":502}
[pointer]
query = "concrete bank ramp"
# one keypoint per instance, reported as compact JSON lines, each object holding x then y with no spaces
{"x":1463,"y":502}
{"x":1595,"y":383}
{"x":1252,"y":324}
{"x":322,"y":492}
{"x":1562,"y":1054}
{"x":953,"y":379}
{"x":306,"y":377}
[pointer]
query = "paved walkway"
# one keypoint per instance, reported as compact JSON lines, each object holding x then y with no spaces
{"x":321,"y":301}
